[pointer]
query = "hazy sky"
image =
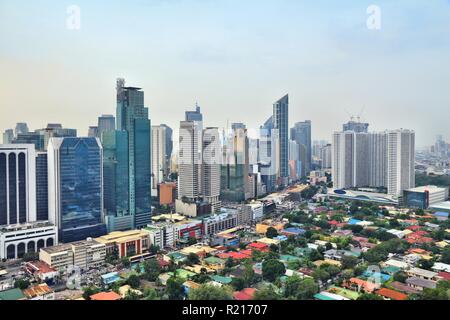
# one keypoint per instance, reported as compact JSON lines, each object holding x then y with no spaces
{"x":235,"y":57}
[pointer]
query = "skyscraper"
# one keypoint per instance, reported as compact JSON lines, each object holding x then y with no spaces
{"x":268,"y":155}
{"x":17,"y":184}
{"x":400,"y":161}
{"x":8,"y":136}
{"x":235,"y":165}
{"x":190,"y":160}
{"x":281,"y":123}
{"x":132,"y":117}
{"x":75,"y":187}
{"x":93,"y":132}
{"x":169,"y":145}
{"x":116,"y":181}
{"x":160,"y":156}
{"x":194,"y":115}
{"x":41,"y":186}
{"x":325,"y":156}
{"x":21,"y":127}
{"x":382,"y":159}
{"x":210,"y":174}
{"x":301,"y":133}
{"x":106,"y":122}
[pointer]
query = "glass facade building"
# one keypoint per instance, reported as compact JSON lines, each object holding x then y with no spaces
{"x":76,"y":188}
{"x":281,"y":123}
{"x":41,"y":186}
{"x":301,"y":133}
{"x":133,"y":118}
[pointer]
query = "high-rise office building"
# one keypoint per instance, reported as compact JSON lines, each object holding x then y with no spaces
{"x":8,"y":136}
{"x":75,"y":187}
{"x":106,"y":122}
{"x":116,"y":189}
{"x":301,"y":133}
{"x":169,"y":144}
{"x":31,"y":138}
{"x":132,"y":117}
{"x":194,"y":115}
{"x":210,"y":174}
{"x":21,"y":128}
{"x":400,"y":161}
{"x":160,"y":155}
{"x":41,"y":186}
{"x":93,"y":132}
{"x":268,"y":155}
{"x":17,"y":184}
{"x":235,"y":165}
{"x":325,"y":156}
{"x":190,"y":160}
{"x":281,"y":124}
{"x":55,"y":130}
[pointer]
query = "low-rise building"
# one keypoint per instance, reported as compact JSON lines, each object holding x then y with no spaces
{"x":16,"y":240}
{"x":41,"y":271}
{"x":82,"y":254}
{"x":39,"y":292}
{"x":424,"y":196}
{"x":420,"y":284}
{"x":421,"y":273}
{"x":126,"y":243}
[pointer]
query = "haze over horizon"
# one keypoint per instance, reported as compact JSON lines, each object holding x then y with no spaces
{"x":235,"y":58}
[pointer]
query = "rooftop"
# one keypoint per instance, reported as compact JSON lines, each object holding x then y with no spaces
{"x":106,"y":296}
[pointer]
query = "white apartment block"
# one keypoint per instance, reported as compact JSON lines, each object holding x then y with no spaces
{"x":383,"y":159}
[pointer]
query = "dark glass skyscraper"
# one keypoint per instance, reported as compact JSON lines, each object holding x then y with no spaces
{"x":301,"y":133}
{"x":116,"y":180}
{"x":281,"y":123}
{"x":41,"y":186}
{"x":133,"y":118}
{"x":75,"y":187}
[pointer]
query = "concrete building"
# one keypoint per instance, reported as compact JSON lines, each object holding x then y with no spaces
{"x":424,"y":197}
{"x":160,"y":155}
{"x":17,"y":184}
{"x":17,"y":240}
{"x":81,"y":254}
{"x":219,"y":222}
{"x":400,"y":163}
{"x":126,"y":243}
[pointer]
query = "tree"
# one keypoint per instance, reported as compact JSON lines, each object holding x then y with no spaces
{"x":441,"y":292}
{"x":21,"y":283}
{"x":267,"y":293}
{"x":150,"y":294}
{"x":89,"y":291}
{"x":321,"y":274}
{"x":210,"y":292}
{"x":238,"y":284}
{"x":152,"y":269}
{"x":307,"y":289}
{"x":349,"y":262}
{"x":125,"y":262}
{"x":445,"y":258}
{"x":272,"y":269}
{"x":291,"y":286}
{"x":133,"y":281}
{"x":192,"y":241}
{"x":132,"y":295}
{"x":192,"y":259}
{"x":271,"y":232}
{"x":400,"y":276}
{"x":369,"y":296}
{"x":174,"y":288}
{"x":30,"y":256}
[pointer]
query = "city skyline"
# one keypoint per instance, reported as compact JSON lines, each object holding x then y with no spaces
{"x":396,"y":71}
